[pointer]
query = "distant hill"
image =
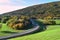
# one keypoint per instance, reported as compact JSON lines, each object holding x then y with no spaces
{"x":42,"y":10}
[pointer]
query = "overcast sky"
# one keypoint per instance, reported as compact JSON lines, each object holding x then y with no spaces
{"x":10,"y":5}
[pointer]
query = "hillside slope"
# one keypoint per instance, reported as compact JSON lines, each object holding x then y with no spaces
{"x":52,"y":8}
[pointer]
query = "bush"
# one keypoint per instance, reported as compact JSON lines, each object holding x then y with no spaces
{"x":5,"y":19}
{"x":17,"y":23}
{"x":52,"y":22}
{"x":49,"y":22}
{"x":12,"y":20}
{"x":18,"y":26}
{"x":9,"y":21}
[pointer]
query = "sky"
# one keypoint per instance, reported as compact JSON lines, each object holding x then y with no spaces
{"x":11,"y":5}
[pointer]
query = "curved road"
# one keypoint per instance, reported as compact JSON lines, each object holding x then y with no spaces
{"x":34,"y":29}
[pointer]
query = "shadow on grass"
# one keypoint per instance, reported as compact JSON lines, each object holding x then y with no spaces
{"x":42,"y":26}
{"x":28,"y":27}
{"x":8,"y":32}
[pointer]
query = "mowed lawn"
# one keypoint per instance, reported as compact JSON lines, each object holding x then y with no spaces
{"x":51,"y":33}
{"x":5,"y":30}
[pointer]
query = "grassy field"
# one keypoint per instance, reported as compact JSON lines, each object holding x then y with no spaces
{"x":52,"y":32}
{"x":5,"y":30}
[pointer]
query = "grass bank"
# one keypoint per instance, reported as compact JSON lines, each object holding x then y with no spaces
{"x":52,"y":32}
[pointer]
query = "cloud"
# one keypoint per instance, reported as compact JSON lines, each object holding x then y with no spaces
{"x":12,"y":2}
{"x":6,"y":8}
{"x":4,"y":1}
{"x":18,"y":2}
{"x":8,"y":5}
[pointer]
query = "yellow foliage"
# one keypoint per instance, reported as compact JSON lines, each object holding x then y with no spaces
{"x":20,"y":25}
{"x":21,"y":20}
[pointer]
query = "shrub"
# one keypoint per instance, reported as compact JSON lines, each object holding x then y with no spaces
{"x":53,"y":22}
{"x":49,"y":22}
{"x":18,"y":26}
{"x":9,"y":21}
{"x":17,"y":23}
{"x":5,"y":19}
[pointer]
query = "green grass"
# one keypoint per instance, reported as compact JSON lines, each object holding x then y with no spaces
{"x":51,"y":33}
{"x":57,"y":21}
{"x":5,"y":30}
